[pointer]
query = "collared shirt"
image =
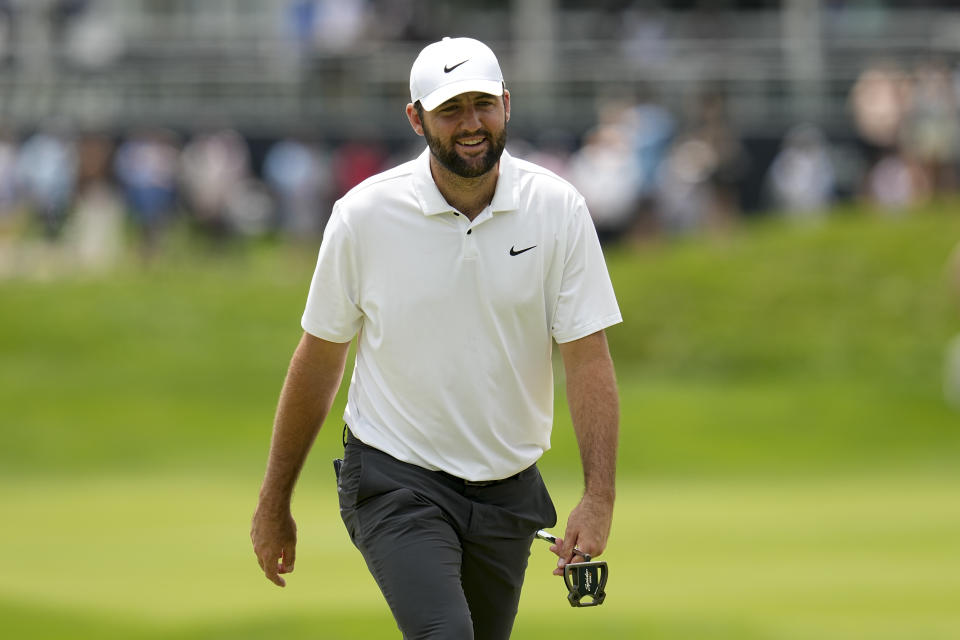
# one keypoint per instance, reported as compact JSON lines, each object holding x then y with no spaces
{"x":457,"y":318}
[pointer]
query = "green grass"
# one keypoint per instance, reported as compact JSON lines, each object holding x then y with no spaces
{"x":788,"y":467}
{"x":780,"y":346}
{"x":166,"y":556}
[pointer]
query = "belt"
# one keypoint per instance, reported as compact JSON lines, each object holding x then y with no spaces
{"x":481,"y":483}
{"x":349,"y":438}
{"x":486,"y":483}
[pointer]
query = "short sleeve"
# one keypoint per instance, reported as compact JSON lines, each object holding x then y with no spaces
{"x":586,"y":302}
{"x":333,"y":310}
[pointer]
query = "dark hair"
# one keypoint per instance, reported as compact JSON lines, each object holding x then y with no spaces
{"x":419,"y":107}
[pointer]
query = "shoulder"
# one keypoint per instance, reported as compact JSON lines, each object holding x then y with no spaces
{"x":544,"y":192}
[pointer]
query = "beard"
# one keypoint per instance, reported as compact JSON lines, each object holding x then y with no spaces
{"x":446,"y":154}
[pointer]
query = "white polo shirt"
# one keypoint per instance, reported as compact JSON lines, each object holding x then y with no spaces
{"x":456,"y":318}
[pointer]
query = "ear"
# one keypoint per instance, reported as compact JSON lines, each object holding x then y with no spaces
{"x":506,"y":104}
{"x":414,"y":119}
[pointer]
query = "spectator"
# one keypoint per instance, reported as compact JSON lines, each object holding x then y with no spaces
{"x":47,"y":172}
{"x":606,"y":172}
{"x":91,"y":35}
{"x":250,"y":208}
{"x":878,"y":101}
{"x":801,"y":179}
{"x":652,"y":128}
{"x":354,"y":162}
{"x":685,"y":197}
{"x":894,"y":183}
{"x":298,"y":173}
{"x":931,"y":128}
{"x":644,"y":39}
{"x":9,"y":198}
{"x":213,"y":165}
{"x":331,"y":26}
{"x":94,"y":233}
{"x":714,"y":127}
{"x":11,"y":213}
{"x":146,"y":166}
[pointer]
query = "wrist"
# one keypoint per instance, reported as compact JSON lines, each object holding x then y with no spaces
{"x":600,"y":494}
{"x":275,"y":502}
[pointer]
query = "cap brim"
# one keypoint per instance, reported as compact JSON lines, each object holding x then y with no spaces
{"x":447,"y":91}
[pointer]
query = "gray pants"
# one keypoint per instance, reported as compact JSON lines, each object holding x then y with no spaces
{"x":449,"y":556}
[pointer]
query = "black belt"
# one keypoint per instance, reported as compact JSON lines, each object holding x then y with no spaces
{"x":481,"y":483}
{"x":349,"y":438}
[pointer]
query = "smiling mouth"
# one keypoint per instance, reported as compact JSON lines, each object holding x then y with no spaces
{"x":472,"y":143}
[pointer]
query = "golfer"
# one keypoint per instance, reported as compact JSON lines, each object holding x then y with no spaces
{"x":456,"y":272}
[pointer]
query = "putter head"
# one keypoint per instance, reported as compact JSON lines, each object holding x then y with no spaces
{"x":585,"y":580}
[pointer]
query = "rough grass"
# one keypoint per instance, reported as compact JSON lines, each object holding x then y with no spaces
{"x":804,"y":346}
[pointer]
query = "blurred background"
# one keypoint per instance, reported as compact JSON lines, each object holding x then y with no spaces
{"x":775,"y":185}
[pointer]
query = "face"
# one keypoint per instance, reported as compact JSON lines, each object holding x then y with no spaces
{"x":467,"y":133}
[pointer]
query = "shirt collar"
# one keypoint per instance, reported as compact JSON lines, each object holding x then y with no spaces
{"x":505,"y":198}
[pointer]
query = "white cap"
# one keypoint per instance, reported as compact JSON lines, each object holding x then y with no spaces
{"x":453,"y":66}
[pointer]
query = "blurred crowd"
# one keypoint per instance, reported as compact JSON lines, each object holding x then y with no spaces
{"x":908,"y":131}
{"x":80,"y":198}
{"x":646,"y":171}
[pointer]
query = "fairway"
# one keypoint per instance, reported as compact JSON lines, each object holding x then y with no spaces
{"x":788,"y":468}
{"x":167,"y":557}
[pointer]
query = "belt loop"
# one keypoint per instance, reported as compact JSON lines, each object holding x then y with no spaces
{"x":344,"y":437}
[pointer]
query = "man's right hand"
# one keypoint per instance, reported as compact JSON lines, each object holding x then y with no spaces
{"x":274,"y":536}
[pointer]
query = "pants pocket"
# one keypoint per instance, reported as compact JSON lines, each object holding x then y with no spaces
{"x":515,"y":509}
{"x":348,"y":487}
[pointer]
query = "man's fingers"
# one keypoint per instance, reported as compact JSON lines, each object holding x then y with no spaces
{"x":564,"y":549}
{"x":567,"y":549}
{"x":572,"y":548}
{"x":271,"y":569}
{"x":287,"y":559}
{"x":563,"y":561}
{"x":269,"y":561}
{"x":557,"y":547}
{"x":274,"y":537}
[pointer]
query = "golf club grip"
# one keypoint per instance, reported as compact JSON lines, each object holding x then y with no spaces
{"x":552,"y":539}
{"x":544,"y":535}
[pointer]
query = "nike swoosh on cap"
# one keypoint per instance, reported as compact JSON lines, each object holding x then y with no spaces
{"x":447,"y":69}
{"x":514,"y":252}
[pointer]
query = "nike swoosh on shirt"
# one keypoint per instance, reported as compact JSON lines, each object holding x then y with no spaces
{"x":514,"y":252}
{"x":447,"y":69}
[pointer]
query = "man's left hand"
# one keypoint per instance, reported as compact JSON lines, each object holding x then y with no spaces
{"x":588,"y":528}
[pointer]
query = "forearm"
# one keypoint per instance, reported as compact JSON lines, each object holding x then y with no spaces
{"x":595,"y":412}
{"x":309,"y":389}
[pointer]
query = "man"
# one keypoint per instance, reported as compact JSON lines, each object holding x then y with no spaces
{"x":456,"y":271}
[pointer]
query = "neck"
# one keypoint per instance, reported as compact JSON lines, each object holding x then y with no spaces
{"x":469,"y":196}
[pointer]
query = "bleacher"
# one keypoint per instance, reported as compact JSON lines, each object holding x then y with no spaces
{"x":117,"y":64}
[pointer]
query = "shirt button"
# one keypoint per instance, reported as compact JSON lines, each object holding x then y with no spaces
{"x":469,"y":231}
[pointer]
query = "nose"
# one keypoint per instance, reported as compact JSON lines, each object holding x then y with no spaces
{"x":471,"y":118}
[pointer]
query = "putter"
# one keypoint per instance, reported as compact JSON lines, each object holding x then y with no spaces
{"x":583,"y":579}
